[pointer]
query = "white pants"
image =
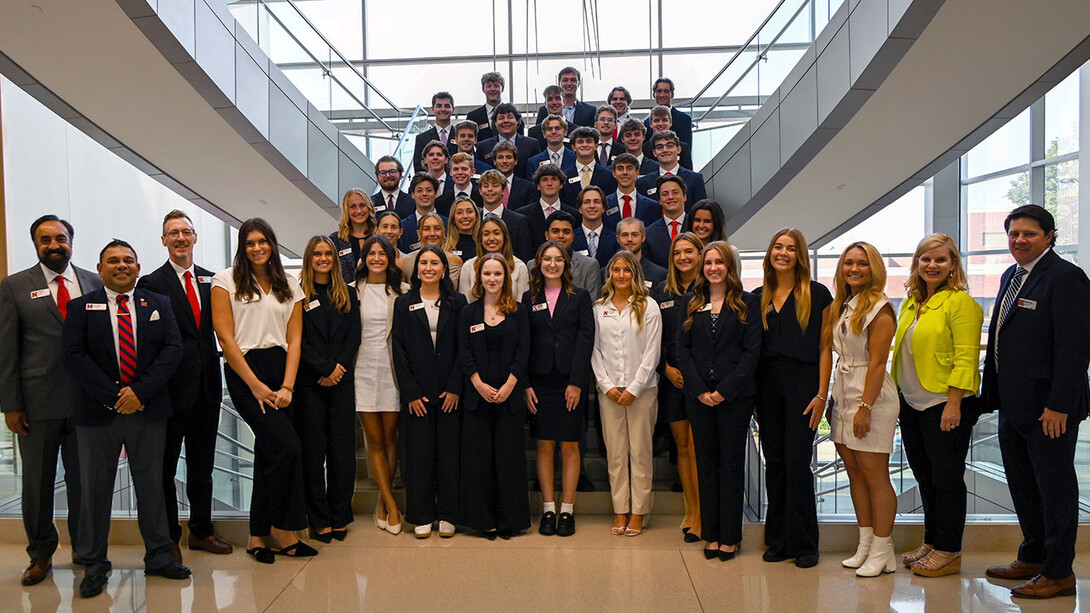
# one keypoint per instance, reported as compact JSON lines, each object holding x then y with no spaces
{"x":627,"y":434}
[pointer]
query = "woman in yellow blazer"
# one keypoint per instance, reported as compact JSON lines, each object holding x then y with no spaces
{"x":936,"y":367}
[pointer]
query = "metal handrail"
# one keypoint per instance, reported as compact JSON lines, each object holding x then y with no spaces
{"x":740,"y":50}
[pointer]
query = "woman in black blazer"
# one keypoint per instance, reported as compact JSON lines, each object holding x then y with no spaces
{"x":326,"y":416}
{"x":493,"y":348}
{"x":425,"y":350}
{"x":718,"y":345}
{"x":561,"y":339}
{"x":357,"y":225}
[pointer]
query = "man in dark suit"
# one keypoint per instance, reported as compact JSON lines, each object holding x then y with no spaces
{"x":554,"y":104}
{"x":605,"y":121}
{"x":554,"y":129}
{"x":442,"y":107}
{"x":423,"y":188}
{"x":461,"y":184}
{"x":492,"y":84}
{"x":436,"y":159}
{"x":584,"y":270}
{"x":576,"y":112}
{"x":195,"y":388}
{"x":35,"y":390}
{"x":632,"y":134}
{"x":520,"y":192}
{"x":627,"y":201}
{"x":587,"y":170}
{"x":660,"y":235}
{"x":620,"y":98}
{"x":663,"y":91}
{"x":389,"y":196}
{"x":1035,"y":376}
{"x":507,"y":121}
{"x":592,"y":238}
{"x":548,"y":179}
{"x":632,"y":236}
{"x":465,"y":141}
{"x":660,"y":122}
{"x":121,"y":346}
{"x":665,"y":144}
{"x":493,"y":189}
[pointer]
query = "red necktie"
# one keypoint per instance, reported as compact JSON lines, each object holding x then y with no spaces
{"x":126,"y":341}
{"x":673,"y":230}
{"x":62,"y":297}
{"x":505,"y":194}
{"x":669,"y":174}
{"x":626,"y":212}
{"x":191,"y":293}
{"x":389,"y":202}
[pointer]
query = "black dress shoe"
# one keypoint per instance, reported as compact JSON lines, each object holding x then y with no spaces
{"x":170,"y":570}
{"x":505,"y":535}
{"x":584,"y":484}
{"x":547,"y":526}
{"x":262,"y":554}
{"x":773,"y":554}
{"x":92,"y":585}
{"x":490,"y":534}
{"x":565,"y":525}
{"x":809,"y":560}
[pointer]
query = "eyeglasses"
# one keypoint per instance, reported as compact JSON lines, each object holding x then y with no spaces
{"x":666,"y":145}
{"x":389,"y":173}
{"x":177,"y":233}
{"x":607,"y":120}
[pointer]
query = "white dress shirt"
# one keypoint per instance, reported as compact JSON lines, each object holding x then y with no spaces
{"x":70,"y":281}
{"x":625,"y":356}
{"x":178,"y":270}
{"x":111,"y":304}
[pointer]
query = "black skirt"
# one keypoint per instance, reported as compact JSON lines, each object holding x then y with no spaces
{"x":671,"y":402}
{"x":553,"y":421}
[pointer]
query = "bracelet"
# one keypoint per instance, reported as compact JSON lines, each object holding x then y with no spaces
{"x":284,"y":387}
{"x":821,"y":398}
{"x":864,"y":405}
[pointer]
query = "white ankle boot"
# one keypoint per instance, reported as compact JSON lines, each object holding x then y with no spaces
{"x":866,"y":535}
{"x":882,"y":558}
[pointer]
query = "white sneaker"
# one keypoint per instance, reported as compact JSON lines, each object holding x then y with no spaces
{"x":446,"y":529}
{"x":422,"y":532}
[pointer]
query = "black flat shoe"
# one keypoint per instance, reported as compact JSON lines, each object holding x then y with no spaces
{"x":341,"y":534}
{"x":505,"y":535}
{"x":326,"y":537}
{"x":692,"y":537}
{"x":490,"y":534}
{"x":773,"y":554}
{"x":565,"y":524}
{"x":547,"y":526}
{"x":262,"y":554}
{"x":710,"y":554}
{"x":297,"y":550}
{"x":809,"y":560}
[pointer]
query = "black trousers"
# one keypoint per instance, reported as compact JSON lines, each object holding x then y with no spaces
{"x":38,"y":449}
{"x":937,"y":459}
{"x":432,"y":464}
{"x":197,"y":425}
{"x":1045,"y":491}
{"x":325,"y":418}
{"x":785,"y":386}
{"x":494,"y":492}
{"x":99,"y":448}
{"x":719,"y":437}
{"x":277,"y":498}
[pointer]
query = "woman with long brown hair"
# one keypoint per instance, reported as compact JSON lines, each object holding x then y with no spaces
{"x":462,"y":229}
{"x":431,"y":232}
{"x":356,"y":225}
{"x":494,"y":237}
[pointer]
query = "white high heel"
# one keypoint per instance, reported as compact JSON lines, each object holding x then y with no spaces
{"x":866,"y":536}
{"x":882,"y":558}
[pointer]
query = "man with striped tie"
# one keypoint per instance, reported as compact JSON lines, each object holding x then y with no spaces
{"x":121,"y":346}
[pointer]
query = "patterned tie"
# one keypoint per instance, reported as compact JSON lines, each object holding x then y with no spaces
{"x":673,"y":230}
{"x":191,"y":293}
{"x":443,"y":136}
{"x":62,"y":297}
{"x":1005,"y":305}
{"x":626,"y":212}
{"x":592,"y":243}
{"x":556,"y":158}
{"x":126,"y":342}
{"x":549,"y":211}
{"x":506,"y":192}
{"x":585,"y":180}
{"x":603,"y":154}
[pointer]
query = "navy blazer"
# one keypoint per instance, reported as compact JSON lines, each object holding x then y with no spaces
{"x":732,"y":352}
{"x":646,"y":210}
{"x":684,"y":156}
{"x":535,"y":133}
{"x":607,"y":243}
{"x":527,"y":148}
{"x":473,"y":351}
{"x":88,"y":344}
{"x":521,"y":193}
{"x":535,"y":220}
{"x":561,"y":342}
{"x":657,"y":245}
{"x":445,"y":202}
{"x":601,"y":177}
{"x":479,"y":116}
{"x":410,"y":239}
{"x":402,"y":206}
{"x":680,"y":123}
{"x":425,"y":369}
{"x":330,"y":337}
{"x":584,"y":114}
{"x":694,"y":182}
{"x":567,"y":162}
{"x":200,"y":353}
{"x":1044,"y":345}
{"x":426,"y":137}
{"x":647,"y":166}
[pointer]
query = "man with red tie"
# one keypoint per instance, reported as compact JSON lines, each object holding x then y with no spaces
{"x":121,"y":346}
{"x":35,"y":391}
{"x":671,"y":191}
{"x":195,"y":388}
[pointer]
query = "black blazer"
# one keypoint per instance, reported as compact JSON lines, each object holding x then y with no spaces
{"x":684,"y":156}
{"x":1044,"y":345}
{"x":535,"y":219}
{"x":527,"y":148}
{"x":200,"y":353}
{"x":479,"y":116}
{"x":425,"y":369}
{"x":519,"y":229}
{"x":347,"y":257}
{"x":89,"y":354}
{"x":445,"y":202}
{"x":561,"y":342}
{"x":584,"y":114}
{"x":330,"y":337}
{"x":402,"y":206}
{"x":656,"y":247}
{"x":694,"y":181}
{"x":535,"y":133}
{"x":472,"y":351}
{"x":426,"y":137}
{"x":681,"y":124}
{"x":672,"y":309}
{"x":522,"y":193}
{"x":732,"y":352}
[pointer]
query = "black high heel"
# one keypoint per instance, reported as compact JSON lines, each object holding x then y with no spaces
{"x":710,"y":554}
{"x":341,"y":534}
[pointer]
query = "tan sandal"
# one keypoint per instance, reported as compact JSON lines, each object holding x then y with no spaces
{"x":914,"y":556}
{"x":938,"y":564}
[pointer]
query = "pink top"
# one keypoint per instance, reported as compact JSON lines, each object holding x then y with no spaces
{"x":551,"y":296}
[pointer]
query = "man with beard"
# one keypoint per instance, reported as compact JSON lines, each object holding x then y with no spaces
{"x":35,"y":389}
{"x":389,"y":196}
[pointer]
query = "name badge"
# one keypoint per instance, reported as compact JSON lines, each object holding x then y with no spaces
{"x":313,"y":304}
{"x":457,"y":252}
{"x":653,"y":190}
{"x":575,"y":179}
{"x":706,"y":308}
{"x":648,"y":284}
{"x":475,"y":177}
{"x":584,"y":252}
{"x":666,"y":304}
{"x":344,"y":252}
{"x":476,"y":328}
{"x":1027,"y":304}
{"x":414,"y":246}
{"x":204,"y":279}
{"x":379,"y":208}
{"x":541,"y":307}
{"x":39,"y":293}
{"x":612,"y":211}
{"x":94,"y":306}
{"x":415,"y":307}
{"x":544,"y":162}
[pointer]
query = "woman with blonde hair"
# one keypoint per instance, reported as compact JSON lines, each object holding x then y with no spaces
{"x":462,"y":229}
{"x":627,"y":343}
{"x":718,"y":345}
{"x":863,"y":415}
{"x":935,"y":364}
{"x":356,"y":225}
{"x":494,"y":237}
{"x":431,"y":232}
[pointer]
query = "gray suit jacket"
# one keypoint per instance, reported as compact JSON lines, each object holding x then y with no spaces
{"x":584,"y":274}
{"x":32,"y":376}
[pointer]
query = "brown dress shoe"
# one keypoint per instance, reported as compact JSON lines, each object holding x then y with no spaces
{"x":39,"y":569}
{"x":1043,"y":587}
{"x":176,"y":554}
{"x":212,"y":544}
{"x":1015,"y":570}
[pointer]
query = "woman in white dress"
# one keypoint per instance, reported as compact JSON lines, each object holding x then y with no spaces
{"x":378,"y":283}
{"x":494,"y":237}
{"x":865,"y":404}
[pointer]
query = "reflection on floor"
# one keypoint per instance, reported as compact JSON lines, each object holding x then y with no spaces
{"x":591,"y":571}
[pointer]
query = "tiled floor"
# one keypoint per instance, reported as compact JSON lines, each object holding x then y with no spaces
{"x":591,"y":571}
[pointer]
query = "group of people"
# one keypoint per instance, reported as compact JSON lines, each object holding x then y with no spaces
{"x":452,"y":315}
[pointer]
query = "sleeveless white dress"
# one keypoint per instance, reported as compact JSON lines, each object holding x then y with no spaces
{"x":849,"y":377}
{"x":375,"y":389}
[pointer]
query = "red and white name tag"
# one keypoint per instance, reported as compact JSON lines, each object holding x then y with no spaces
{"x":417,"y":306}
{"x":1027,"y":304}
{"x":39,"y":293}
{"x":476,"y":328}
{"x":94,"y":306}
{"x":313,"y":304}
{"x":344,"y":252}
{"x":541,"y":307}
{"x":204,"y":279}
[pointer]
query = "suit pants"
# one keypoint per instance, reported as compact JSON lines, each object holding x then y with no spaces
{"x":1044,"y":488}
{"x":432,"y":464}
{"x":277,"y":498}
{"x":198,"y":426}
{"x":99,"y":449}
{"x":325,"y":418}
{"x":38,"y":450}
{"x":785,"y":387}
{"x":937,"y":458}
{"x":719,"y":439}
{"x":627,"y":432}
{"x":493,"y":484}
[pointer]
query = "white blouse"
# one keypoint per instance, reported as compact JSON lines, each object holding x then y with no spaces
{"x":625,"y":356}
{"x":261,"y":322}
